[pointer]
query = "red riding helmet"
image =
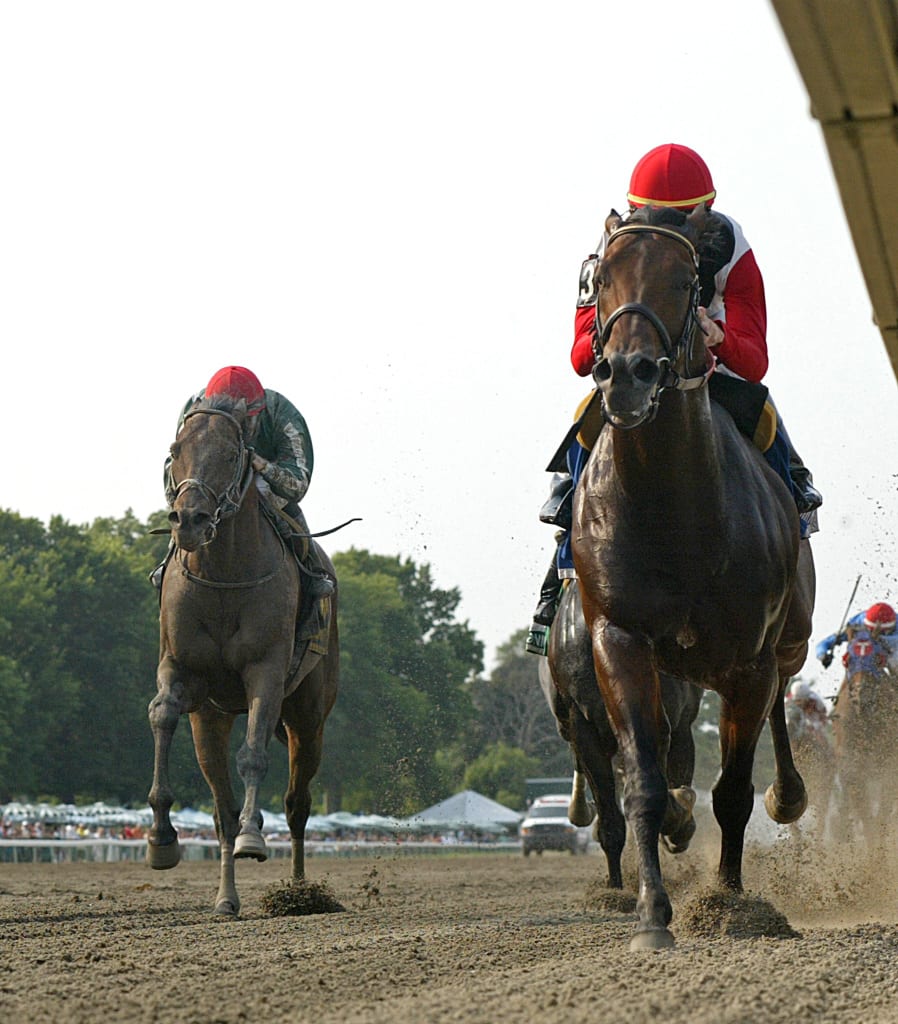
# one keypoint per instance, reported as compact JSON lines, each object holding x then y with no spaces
{"x":881,"y":617}
{"x":238,"y":382}
{"x":671,"y":175}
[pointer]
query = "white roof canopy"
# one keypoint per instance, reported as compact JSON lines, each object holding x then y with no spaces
{"x":846,"y":53}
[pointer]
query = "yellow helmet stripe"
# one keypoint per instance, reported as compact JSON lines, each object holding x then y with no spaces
{"x":642,"y":201}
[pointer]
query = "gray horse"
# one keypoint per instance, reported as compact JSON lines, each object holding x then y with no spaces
{"x":228,"y":646}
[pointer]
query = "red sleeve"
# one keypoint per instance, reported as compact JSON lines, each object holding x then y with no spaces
{"x":744,"y":348}
{"x":582,"y":357}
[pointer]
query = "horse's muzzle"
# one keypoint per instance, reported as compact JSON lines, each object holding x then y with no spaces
{"x":191,"y":528}
{"x":628,"y":384}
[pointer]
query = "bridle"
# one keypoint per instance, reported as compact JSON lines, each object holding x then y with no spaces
{"x":231,"y":498}
{"x":668,"y":377}
{"x":226,"y":504}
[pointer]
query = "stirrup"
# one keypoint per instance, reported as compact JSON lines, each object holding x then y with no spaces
{"x":156,"y":575}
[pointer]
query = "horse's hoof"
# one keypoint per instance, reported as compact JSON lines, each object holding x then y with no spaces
{"x":784,"y":814}
{"x":652,"y":938}
{"x":250,"y":844}
{"x":161,"y":858}
{"x":685,"y":797}
{"x":679,"y":841}
{"x":679,"y":825}
{"x":580,"y":814}
{"x":225,"y":908}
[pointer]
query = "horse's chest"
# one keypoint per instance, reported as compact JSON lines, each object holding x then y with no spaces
{"x":218,"y":658}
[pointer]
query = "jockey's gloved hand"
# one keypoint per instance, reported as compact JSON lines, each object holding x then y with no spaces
{"x":711,"y":330}
{"x":827,"y":659}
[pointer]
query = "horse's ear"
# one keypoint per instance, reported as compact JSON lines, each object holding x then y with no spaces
{"x":240,"y":412}
{"x":698,"y":218}
{"x":613,"y":221}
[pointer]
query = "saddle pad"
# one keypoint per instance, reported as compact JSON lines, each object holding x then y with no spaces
{"x":591,"y":420}
{"x":315,"y":626}
{"x":753,"y":412}
{"x":765,"y":431}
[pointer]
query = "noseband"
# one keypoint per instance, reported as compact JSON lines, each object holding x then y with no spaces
{"x":229,"y":501}
{"x":668,"y":377}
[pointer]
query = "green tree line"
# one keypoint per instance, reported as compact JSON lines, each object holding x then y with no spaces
{"x":415,"y":719}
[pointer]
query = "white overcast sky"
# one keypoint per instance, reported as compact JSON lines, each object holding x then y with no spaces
{"x":382,"y":208}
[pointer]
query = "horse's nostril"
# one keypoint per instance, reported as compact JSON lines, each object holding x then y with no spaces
{"x":174,"y":518}
{"x":602,"y":371}
{"x":646,"y":371}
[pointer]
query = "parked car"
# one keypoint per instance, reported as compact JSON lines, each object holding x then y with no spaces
{"x":546,"y":827}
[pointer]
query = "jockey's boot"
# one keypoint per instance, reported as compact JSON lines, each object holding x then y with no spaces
{"x":557,"y":509}
{"x":807,"y":497}
{"x":318,"y":583}
{"x":543,"y":617}
{"x":156,"y":575}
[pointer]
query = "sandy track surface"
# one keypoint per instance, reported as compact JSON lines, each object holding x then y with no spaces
{"x":454,"y":937}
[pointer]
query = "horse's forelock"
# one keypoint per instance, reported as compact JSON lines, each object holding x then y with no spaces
{"x":223,"y":402}
{"x":709,"y":235}
{"x":664,"y":217}
{"x":658,"y":216}
{"x":235,"y":407}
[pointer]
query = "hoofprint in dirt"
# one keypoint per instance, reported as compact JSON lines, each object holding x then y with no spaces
{"x":472,"y":937}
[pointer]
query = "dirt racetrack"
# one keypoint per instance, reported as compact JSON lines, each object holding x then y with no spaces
{"x":472,"y":937}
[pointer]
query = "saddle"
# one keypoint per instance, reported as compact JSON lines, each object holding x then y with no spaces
{"x":747,"y":403}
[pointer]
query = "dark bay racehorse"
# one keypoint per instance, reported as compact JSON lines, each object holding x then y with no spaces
{"x":688,"y":552}
{"x":227,"y":624}
{"x":568,"y":679}
{"x":865,"y":731}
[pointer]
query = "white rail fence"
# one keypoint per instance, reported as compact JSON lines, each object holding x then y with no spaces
{"x":108,"y":850}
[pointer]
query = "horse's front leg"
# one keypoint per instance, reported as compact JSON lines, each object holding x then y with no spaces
{"x":632,"y":695}
{"x":211,"y":734}
{"x":265,"y":694}
{"x":163,"y":849}
{"x":743,"y":710}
